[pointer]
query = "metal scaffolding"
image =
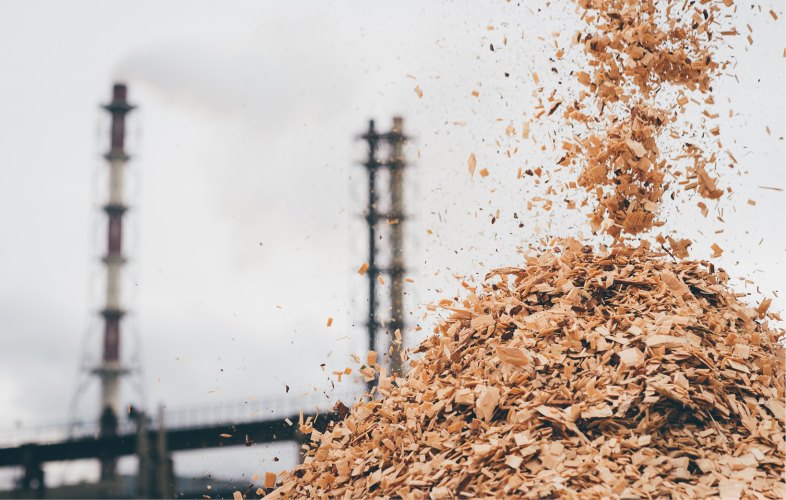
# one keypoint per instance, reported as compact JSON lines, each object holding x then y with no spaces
{"x":394,"y":216}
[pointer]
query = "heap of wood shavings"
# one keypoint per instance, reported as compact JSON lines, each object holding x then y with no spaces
{"x":636,"y":50}
{"x":581,"y":375}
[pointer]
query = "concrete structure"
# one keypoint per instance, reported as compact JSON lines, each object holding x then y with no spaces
{"x":111,"y":368}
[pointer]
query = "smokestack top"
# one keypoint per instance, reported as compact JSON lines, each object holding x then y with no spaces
{"x":397,"y":133}
{"x":119,"y":102}
{"x":119,"y":92}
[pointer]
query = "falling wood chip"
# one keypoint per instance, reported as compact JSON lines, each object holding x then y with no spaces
{"x":763,"y":307}
{"x":362,"y":269}
{"x":638,"y":148}
{"x":634,"y":50}
{"x":472,"y":162}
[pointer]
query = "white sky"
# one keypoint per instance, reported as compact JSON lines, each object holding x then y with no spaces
{"x":245,"y":196}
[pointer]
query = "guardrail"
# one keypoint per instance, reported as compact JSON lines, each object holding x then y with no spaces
{"x":227,"y":412}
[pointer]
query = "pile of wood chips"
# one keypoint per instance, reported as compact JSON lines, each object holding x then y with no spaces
{"x":584,"y":374}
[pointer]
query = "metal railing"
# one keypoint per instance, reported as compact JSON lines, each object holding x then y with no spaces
{"x":228,"y":412}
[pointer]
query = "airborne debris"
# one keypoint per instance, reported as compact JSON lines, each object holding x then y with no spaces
{"x":636,"y":49}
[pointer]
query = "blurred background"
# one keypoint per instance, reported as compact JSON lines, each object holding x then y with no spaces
{"x":246,"y":194}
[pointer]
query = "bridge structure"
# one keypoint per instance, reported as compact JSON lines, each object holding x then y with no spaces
{"x":154,"y":439}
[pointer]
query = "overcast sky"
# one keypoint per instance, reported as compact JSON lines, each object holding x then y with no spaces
{"x":244,"y":233}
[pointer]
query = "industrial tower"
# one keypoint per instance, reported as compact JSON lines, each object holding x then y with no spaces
{"x":394,"y":217}
{"x":111,"y":368}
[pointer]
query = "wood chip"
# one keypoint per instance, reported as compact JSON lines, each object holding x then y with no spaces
{"x":638,"y":148}
{"x":664,"y":341}
{"x":472,"y":162}
{"x":513,"y":356}
{"x":632,"y":357}
{"x":514,"y":462}
{"x":486,"y":403}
